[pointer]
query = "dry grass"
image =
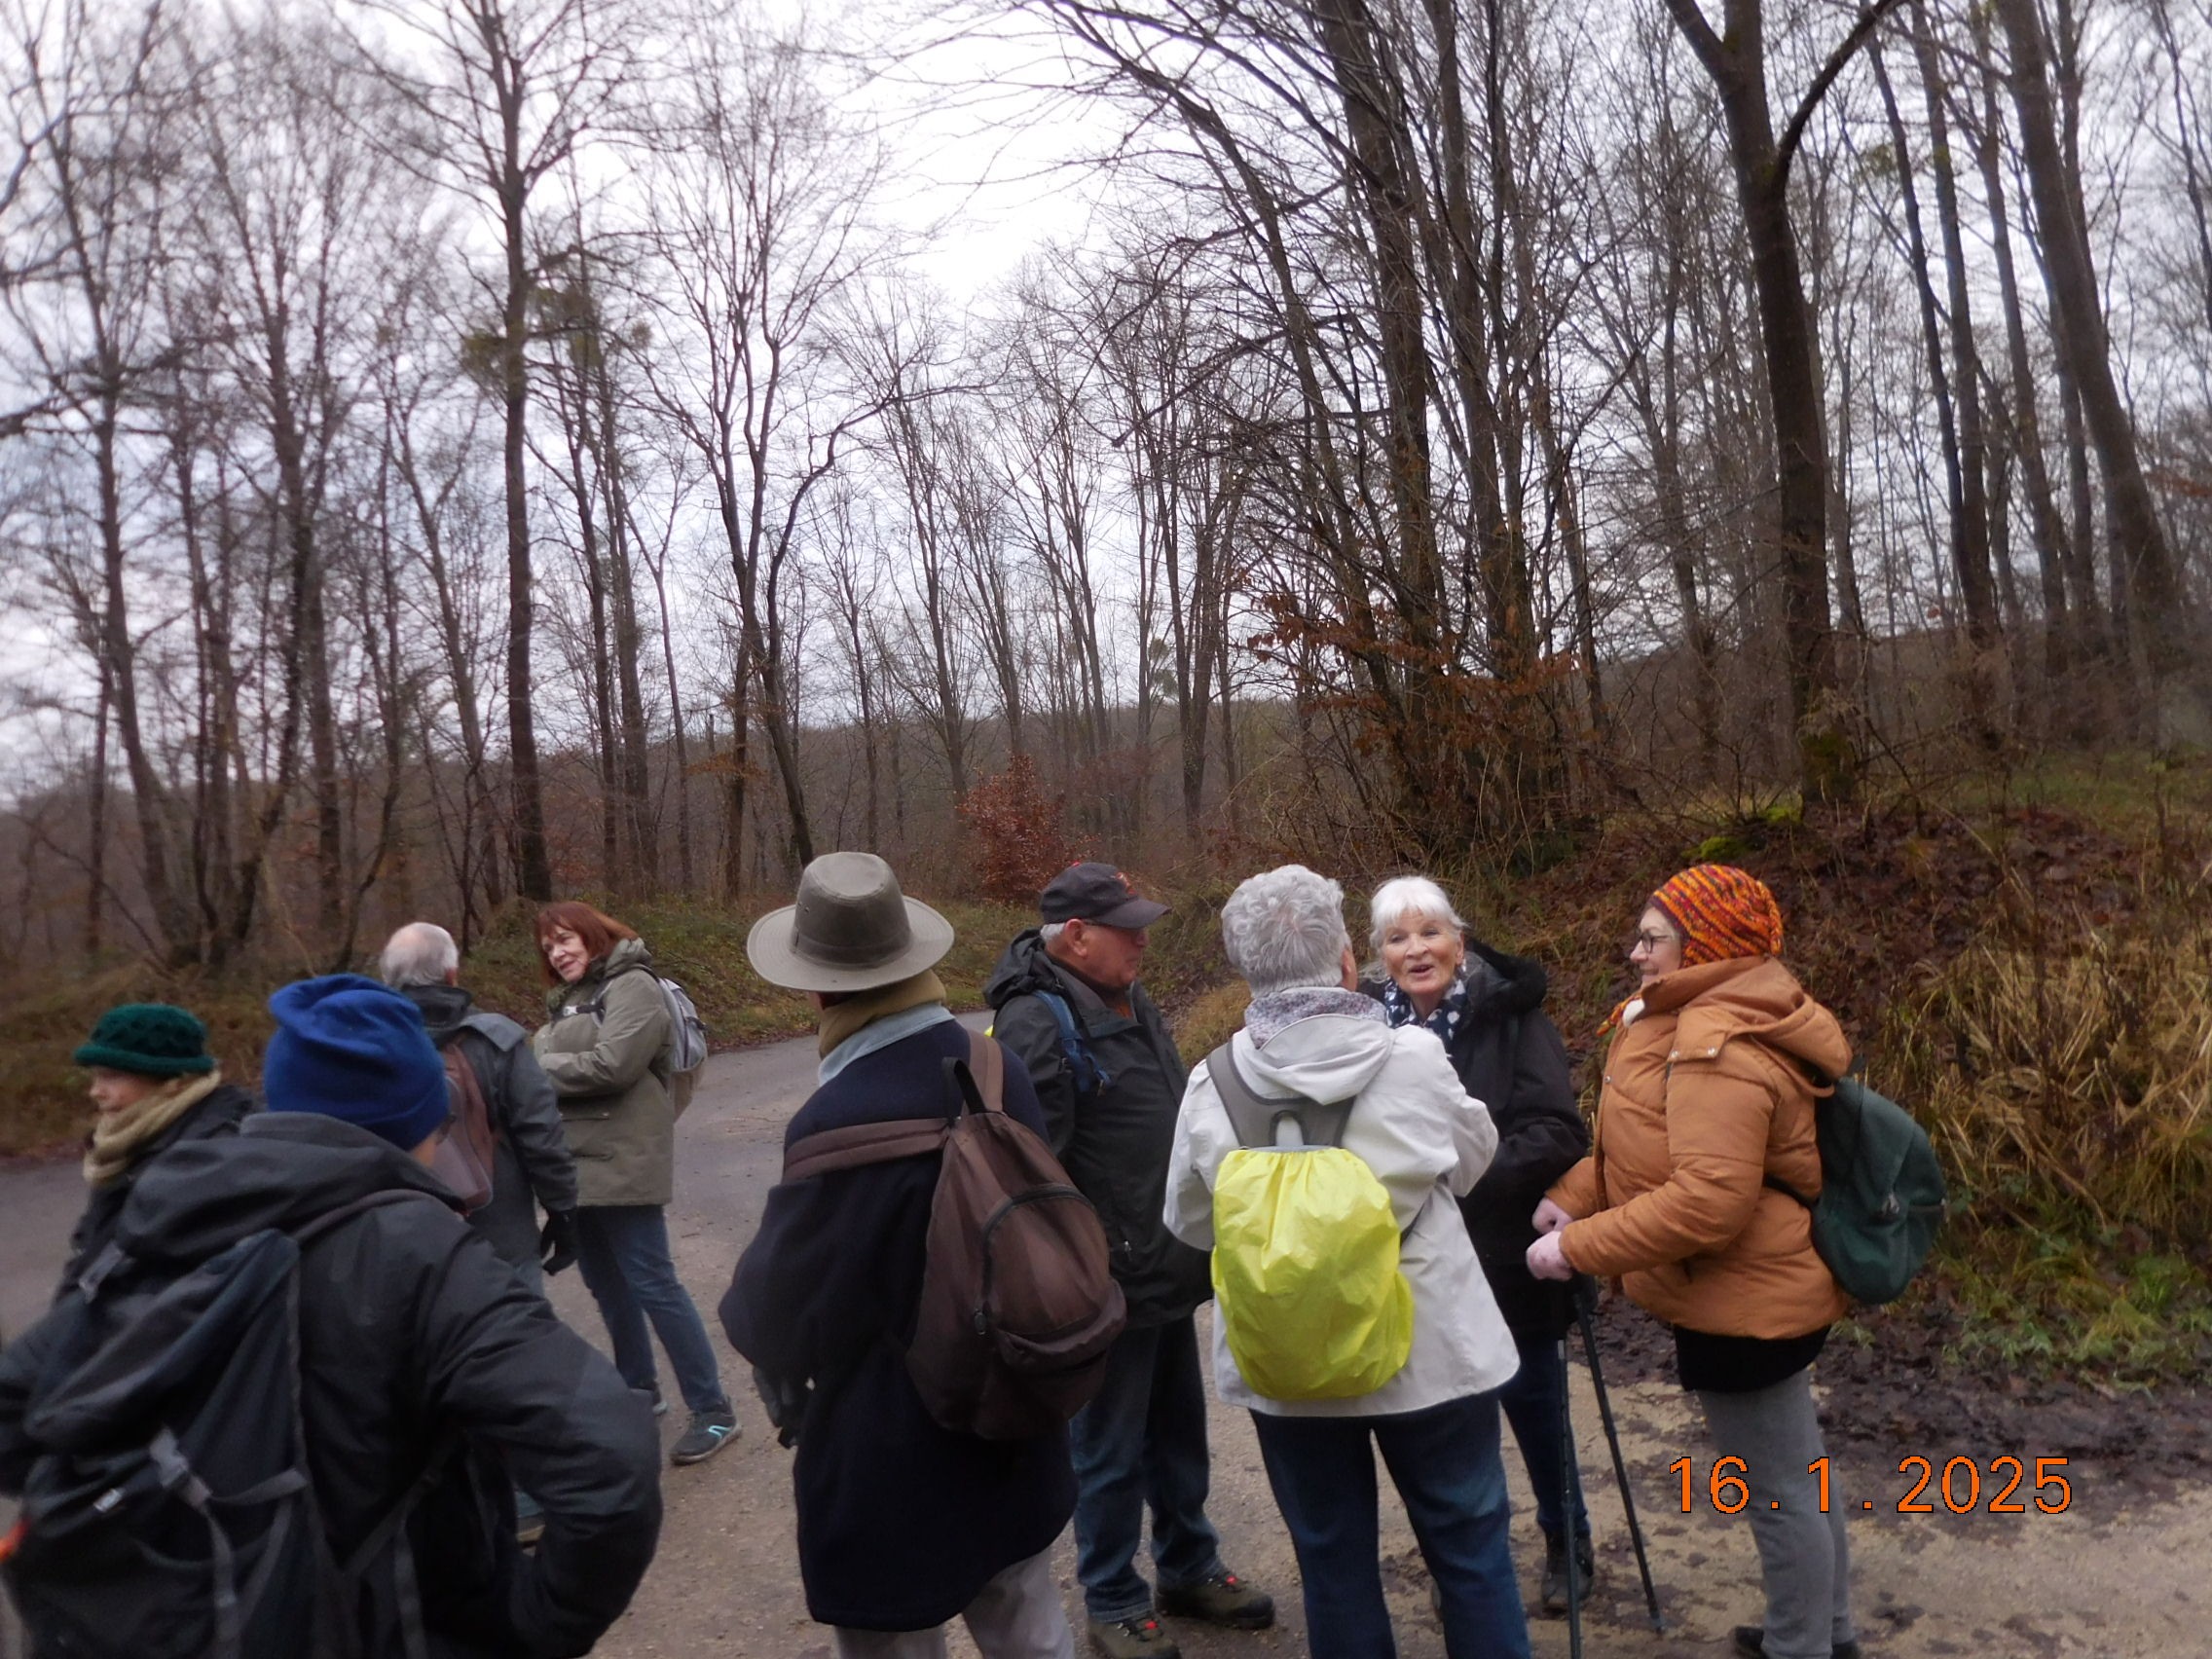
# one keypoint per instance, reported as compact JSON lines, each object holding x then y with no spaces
{"x":2074,"y":1073}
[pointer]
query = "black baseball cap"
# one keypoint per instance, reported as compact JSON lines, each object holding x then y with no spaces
{"x":1097,"y":893}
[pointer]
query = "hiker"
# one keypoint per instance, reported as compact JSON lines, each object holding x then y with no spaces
{"x":1487,"y":1008}
{"x":156,"y":1087}
{"x":902,"y":1522}
{"x":531,"y":1165}
{"x":605,"y":1047}
{"x":1707,"y":1104}
{"x":1310,"y":1036}
{"x":425,"y":1370}
{"x":1068,"y":1002}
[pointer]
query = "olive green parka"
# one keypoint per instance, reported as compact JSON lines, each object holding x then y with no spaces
{"x":605,"y":1044}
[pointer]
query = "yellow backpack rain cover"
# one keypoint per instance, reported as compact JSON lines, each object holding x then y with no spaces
{"x":1305,"y":1265}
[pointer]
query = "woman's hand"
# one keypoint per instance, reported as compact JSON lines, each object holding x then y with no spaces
{"x":1548,"y":1261}
{"x":1549,"y":1217}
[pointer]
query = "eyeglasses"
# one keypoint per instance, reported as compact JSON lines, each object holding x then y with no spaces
{"x":1651,"y":941}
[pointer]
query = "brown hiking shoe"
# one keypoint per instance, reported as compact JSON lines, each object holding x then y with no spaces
{"x":1138,"y":1637}
{"x":1224,"y":1600}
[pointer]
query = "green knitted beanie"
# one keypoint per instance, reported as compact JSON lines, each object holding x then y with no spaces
{"x":150,"y":1039}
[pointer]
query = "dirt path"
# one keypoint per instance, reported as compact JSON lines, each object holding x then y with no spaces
{"x":2125,"y":1572}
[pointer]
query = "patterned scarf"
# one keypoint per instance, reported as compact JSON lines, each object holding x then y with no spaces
{"x":1444,"y":1020}
{"x":1272,"y":1014}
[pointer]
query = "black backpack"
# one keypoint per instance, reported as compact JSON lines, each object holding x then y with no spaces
{"x":168,"y":1513}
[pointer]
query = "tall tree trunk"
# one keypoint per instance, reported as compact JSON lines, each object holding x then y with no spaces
{"x":534,"y":868}
{"x":1736,"y":61}
{"x":2157,"y":601}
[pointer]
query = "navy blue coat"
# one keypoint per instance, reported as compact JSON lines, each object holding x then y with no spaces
{"x":900,"y":1523}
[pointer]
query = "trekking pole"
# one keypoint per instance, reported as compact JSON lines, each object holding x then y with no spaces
{"x":1570,"y":1489}
{"x":1585,"y":1299}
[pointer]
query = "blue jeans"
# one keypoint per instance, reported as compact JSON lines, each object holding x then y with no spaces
{"x":1531,"y":1402}
{"x":1446,"y":1464}
{"x":623,"y":1252}
{"x":1143,"y":1440}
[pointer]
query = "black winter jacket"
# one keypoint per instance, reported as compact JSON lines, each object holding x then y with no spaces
{"x":411,"y":1327}
{"x":900,"y":1522}
{"x":532,"y":1157}
{"x":1114,"y":1142}
{"x":224,"y":1109}
{"x":1509,"y":1057}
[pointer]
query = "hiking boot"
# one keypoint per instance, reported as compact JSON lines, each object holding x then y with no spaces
{"x":1224,"y":1600}
{"x":1139,"y":1637}
{"x":1750,"y":1643}
{"x":708,"y":1433}
{"x":1555,"y":1571}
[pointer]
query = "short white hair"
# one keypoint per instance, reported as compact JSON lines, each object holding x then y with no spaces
{"x":1052,"y":931}
{"x":421,"y":953}
{"x":1285,"y":929}
{"x":1409,"y":896}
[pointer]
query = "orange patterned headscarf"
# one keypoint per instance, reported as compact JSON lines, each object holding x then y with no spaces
{"x":1721,"y":912}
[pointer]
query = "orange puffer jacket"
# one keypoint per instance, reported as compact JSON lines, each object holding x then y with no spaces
{"x":1707,"y":1094}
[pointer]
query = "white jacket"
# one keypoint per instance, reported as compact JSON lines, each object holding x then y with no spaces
{"x":1426,"y":1139}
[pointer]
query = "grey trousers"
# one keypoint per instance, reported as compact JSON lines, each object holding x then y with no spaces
{"x":1803,"y":1557}
{"x":1016,"y":1615}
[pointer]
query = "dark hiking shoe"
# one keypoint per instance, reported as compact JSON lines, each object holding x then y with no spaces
{"x":708,"y":1433}
{"x":1554,"y":1573}
{"x":1750,"y":1643}
{"x":660,"y":1400}
{"x":1138,"y":1637}
{"x":1224,"y":1600}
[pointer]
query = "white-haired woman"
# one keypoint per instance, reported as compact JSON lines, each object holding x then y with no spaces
{"x":1311,"y":1033}
{"x":1487,"y":1010}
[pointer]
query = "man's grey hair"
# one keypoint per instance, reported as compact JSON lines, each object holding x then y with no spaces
{"x":1285,"y":929}
{"x":421,"y":953}
{"x":1409,"y":896}
{"x":1052,"y":931}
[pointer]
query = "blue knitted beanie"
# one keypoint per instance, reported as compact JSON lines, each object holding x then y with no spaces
{"x":348,"y":1047}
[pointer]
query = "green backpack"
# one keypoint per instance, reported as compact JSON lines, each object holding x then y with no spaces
{"x":1881,"y":1192}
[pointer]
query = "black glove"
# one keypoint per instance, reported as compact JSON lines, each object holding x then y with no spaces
{"x":786,"y":1399}
{"x":557,"y":1241}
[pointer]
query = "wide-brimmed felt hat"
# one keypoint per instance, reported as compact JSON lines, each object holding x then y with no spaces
{"x":852,"y":930}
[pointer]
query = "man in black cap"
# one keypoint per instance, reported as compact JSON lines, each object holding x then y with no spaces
{"x":1111,"y":1084}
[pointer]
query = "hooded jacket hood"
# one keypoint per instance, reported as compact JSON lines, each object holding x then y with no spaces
{"x":1755,"y":997}
{"x":281,"y":1169}
{"x":444,"y":1008}
{"x":1324,"y":1057}
{"x":1024,"y":969}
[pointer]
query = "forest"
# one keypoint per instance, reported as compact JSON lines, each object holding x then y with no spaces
{"x":461,"y":450}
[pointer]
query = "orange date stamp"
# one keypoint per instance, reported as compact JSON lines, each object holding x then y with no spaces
{"x":1962,"y":1485}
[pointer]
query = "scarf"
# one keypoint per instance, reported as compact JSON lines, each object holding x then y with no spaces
{"x":844,"y":1019}
{"x":1447,"y":1017}
{"x":117,"y":1137}
{"x":1270,"y":1015}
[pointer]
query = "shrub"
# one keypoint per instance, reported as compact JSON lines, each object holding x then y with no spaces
{"x":1020,"y":832}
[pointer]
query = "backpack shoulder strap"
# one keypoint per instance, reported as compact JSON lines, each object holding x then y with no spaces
{"x":986,"y":1063}
{"x":1090,"y":1077}
{"x":1256,"y":1117}
{"x":858,"y":1145}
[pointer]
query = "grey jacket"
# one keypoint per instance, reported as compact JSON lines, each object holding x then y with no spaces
{"x":605,"y":1047}
{"x":532,"y":1161}
{"x":1114,"y":1142}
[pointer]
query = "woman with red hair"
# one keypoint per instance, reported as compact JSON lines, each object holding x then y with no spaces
{"x":607,"y":1045}
{"x":1704,"y":1134}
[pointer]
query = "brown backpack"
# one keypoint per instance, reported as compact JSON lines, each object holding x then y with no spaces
{"x":467,"y":1156}
{"x":1019,"y":1302}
